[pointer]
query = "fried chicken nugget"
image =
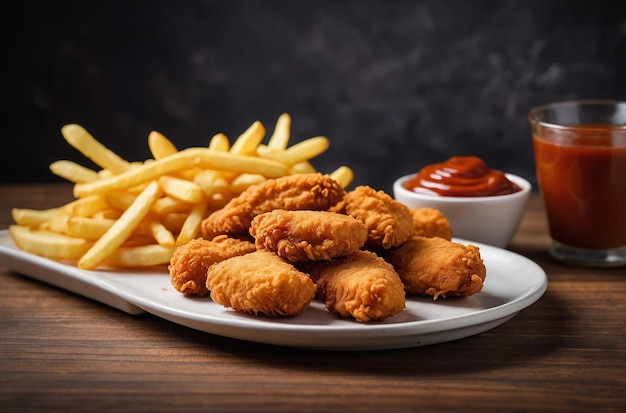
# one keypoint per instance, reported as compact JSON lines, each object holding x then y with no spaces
{"x":190,"y":262}
{"x":312,"y":191}
{"x":438,"y":267}
{"x":308,"y":235}
{"x":388,"y":221}
{"x":430,"y":222}
{"x":363,"y":286}
{"x":260,"y":282}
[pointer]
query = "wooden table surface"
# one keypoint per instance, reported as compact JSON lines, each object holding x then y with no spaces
{"x":62,"y":352}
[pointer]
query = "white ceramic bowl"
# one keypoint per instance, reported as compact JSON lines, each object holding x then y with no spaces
{"x":491,"y":220}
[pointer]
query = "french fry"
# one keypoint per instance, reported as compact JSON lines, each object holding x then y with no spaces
{"x":219,"y":143}
{"x":248,"y":141}
{"x":191,"y":226}
{"x":160,"y":146}
{"x":88,"y":228}
{"x":73,"y":172}
{"x":157,"y":230}
{"x":174,"y":221}
{"x":181,"y":189}
{"x":137,"y":239}
{"x":48,"y":244}
{"x":56,"y":224}
{"x":86,"y":207}
{"x":123,"y":227}
{"x":185,"y":159}
{"x":300,"y":152}
{"x":108,"y":213}
{"x":343,"y":175}
{"x":140,"y":256}
{"x":104,"y":173}
{"x":32,"y":217}
{"x":79,"y":138}
{"x":168,"y":205}
{"x":212,"y":182}
{"x":119,"y":200}
{"x":244,"y":181}
{"x":302,"y":168}
{"x":282,"y":132}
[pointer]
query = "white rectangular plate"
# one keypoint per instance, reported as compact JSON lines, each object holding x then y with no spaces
{"x":513,"y":283}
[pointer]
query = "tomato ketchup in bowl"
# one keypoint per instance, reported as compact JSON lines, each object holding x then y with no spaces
{"x":482,"y":204}
{"x":461,"y":176}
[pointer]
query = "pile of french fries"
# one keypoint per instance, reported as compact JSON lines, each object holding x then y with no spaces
{"x":134,"y":214}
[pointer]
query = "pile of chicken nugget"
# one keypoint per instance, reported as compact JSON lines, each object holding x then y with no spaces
{"x":287,"y":241}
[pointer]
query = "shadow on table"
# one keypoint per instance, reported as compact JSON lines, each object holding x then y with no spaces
{"x":512,"y":343}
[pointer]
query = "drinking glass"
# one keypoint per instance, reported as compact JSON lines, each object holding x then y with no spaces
{"x":580,"y":160}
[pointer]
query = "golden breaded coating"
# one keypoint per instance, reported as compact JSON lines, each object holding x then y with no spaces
{"x":438,"y":267}
{"x":388,"y":221}
{"x":362,"y":286}
{"x":189,"y":262}
{"x":430,"y":222}
{"x":308,"y":235}
{"x":312,"y":191}
{"x":260,"y":282}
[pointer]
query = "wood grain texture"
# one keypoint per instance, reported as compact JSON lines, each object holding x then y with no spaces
{"x":63,"y":352}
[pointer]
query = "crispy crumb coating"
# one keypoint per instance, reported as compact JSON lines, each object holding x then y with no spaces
{"x":312,"y":191}
{"x":363,"y":286}
{"x":388,"y":221}
{"x":308,"y":235}
{"x":260,"y":282}
{"x":430,"y":222}
{"x":189,"y":263}
{"x":438,"y":267}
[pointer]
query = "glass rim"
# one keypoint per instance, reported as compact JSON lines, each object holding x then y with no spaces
{"x":532,"y":115}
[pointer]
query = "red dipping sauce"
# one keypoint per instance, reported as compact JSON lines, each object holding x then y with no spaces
{"x":462,"y":176}
{"x":584,"y":184}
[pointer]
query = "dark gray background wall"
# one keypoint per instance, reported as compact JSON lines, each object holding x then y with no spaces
{"x":394,"y":84}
